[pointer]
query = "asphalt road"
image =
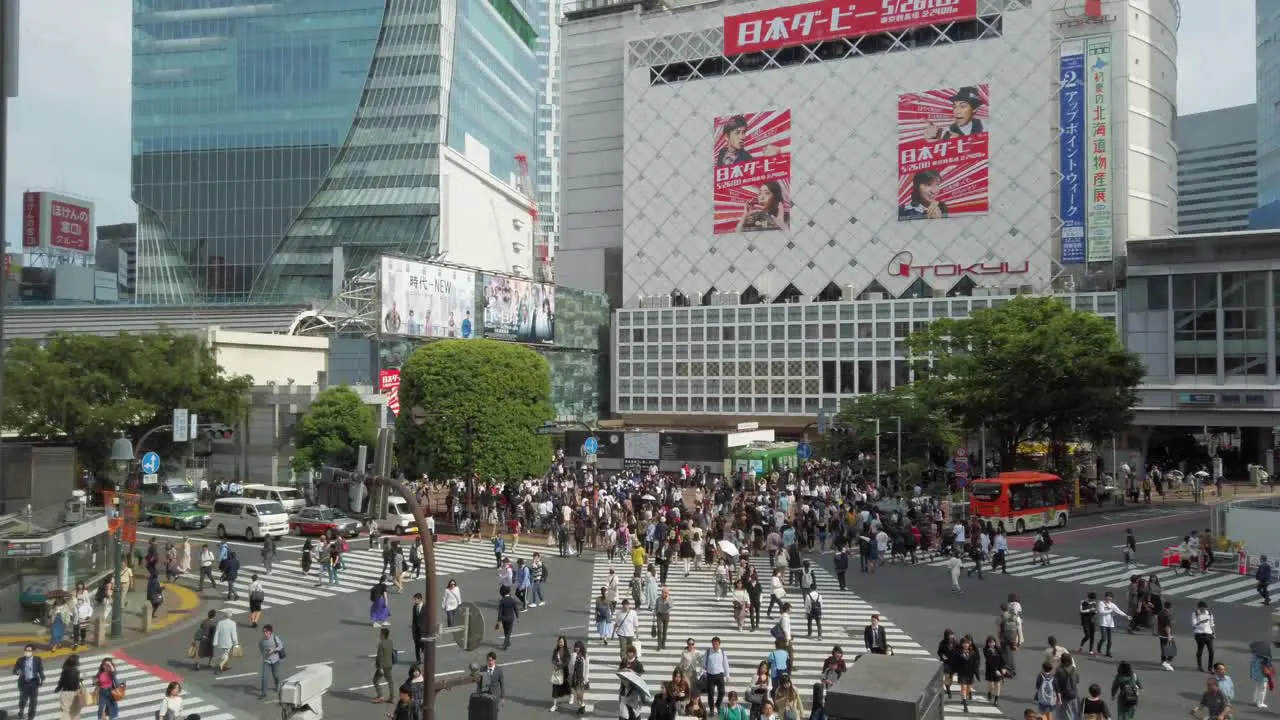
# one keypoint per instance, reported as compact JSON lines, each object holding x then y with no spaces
{"x":335,"y":629}
{"x":918,"y":600}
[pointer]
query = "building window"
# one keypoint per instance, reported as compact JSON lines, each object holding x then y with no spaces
{"x":1157,"y":293}
{"x":1244,"y":323}
{"x":1195,"y":324}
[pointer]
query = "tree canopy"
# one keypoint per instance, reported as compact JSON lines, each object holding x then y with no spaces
{"x":336,"y":425}
{"x":87,"y":389}
{"x":927,"y":429}
{"x":1029,"y":369}
{"x":500,"y":391}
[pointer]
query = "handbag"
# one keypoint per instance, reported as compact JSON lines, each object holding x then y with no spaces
{"x":237,"y":652}
{"x":191,"y":650}
{"x":653,"y":629}
{"x":557,"y":677}
{"x":257,"y":596}
{"x":117,"y":693}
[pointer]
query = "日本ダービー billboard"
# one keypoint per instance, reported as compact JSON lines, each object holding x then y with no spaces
{"x":752,"y":172}
{"x":427,"y":301}
{"x":828,"y":20}
{"x":943,"y":153}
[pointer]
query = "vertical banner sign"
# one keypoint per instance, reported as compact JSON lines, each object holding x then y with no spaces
{"x":31,"y":220}
{"x":752,"y":172}
{"x":1071,"y":109}
{"x":389,"y":385}
{"x":131,"y":513}
{"x":1098,"y":220}
{"x":943,"y":153}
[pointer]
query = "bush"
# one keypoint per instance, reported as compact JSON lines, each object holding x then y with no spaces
{"x":501,"y":391}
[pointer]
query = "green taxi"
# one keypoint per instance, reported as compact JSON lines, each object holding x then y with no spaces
{"x":176,"y":515}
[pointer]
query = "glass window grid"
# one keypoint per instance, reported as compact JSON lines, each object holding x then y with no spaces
{"x":778,"y":359}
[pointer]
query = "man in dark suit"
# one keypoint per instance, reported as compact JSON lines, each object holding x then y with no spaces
{"x":490,"y":681}
{"x":30,"y":672}
{"x":418,"y":624}
{"x":874,"y":639}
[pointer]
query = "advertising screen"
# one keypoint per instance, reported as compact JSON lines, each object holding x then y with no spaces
{"x":428,"y":301}
{"x":943,"y":153}
{"x":752,"y":172}
{"x":519,"y":310}
{"x":836,"y":20}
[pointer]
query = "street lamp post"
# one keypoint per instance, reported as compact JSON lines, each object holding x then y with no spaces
{"x":898,"y":418}
{"x":122,"y":457}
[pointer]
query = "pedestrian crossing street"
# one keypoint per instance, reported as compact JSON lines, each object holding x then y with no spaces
{"x":697,"y":614}
{"x":286,"y":585}
{"x":1219,"y":587}
{"x":144,"y":691}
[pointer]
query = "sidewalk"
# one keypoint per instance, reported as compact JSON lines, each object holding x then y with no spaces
{"x":181,"y":604}
{"x":1181,"y":498}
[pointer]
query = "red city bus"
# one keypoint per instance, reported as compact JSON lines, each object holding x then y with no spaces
{"x":1022,"y":500}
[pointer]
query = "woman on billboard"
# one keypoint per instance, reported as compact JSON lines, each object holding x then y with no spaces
{"x":924,"y":203}
{"x":768,"y":211}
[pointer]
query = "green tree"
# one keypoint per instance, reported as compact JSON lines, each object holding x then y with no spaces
{"x":87,"y":389}
{"x":1030,"y":369}
{"x":926,"y":429}
{"x":333,"y":429}
{"x":484,"y":401}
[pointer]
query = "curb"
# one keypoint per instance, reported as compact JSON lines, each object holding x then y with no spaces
{"x":188,"y":607}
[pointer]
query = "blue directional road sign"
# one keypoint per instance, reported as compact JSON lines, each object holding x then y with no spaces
{"x":151,"y":463}
{"x":590,"y":446}
{"x":804,"y":451}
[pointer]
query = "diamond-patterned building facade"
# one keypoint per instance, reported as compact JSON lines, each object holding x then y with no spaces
{"x":651,"y":155}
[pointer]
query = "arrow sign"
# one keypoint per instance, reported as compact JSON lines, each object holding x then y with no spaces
{"x":804,"y":451}
{"x":151,"y":463}
{"x":590,"y":446}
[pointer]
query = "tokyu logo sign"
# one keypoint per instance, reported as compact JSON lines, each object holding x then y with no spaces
{"x":1084,"y":12}
{"x":904,"y":265}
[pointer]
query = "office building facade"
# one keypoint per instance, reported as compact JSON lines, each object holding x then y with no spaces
{"x":280,"y":149}
{"x":1268,"y":85}
{"x":1217,"y":169}
{"x":732,"y":160}
{"x":546,"y":163}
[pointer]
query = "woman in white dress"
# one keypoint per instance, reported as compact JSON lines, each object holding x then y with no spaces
{"x":184,"y":557}
{"x":171,"y":704}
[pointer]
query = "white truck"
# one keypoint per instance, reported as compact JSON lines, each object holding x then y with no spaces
{"x":394,"y":516}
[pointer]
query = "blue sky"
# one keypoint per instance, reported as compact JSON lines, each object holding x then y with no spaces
{"x":69,"y":128}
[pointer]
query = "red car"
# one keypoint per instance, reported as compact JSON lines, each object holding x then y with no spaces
{"x":321,"y":520}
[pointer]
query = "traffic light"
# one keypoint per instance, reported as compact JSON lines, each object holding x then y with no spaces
{"x":214,"y":432}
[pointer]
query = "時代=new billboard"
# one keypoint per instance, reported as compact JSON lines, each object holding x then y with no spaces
{"x":425,"y":300}
{"x":752,"y":172}
{"x":944,"y":153}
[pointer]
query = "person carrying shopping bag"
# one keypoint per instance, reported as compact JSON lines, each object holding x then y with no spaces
{"x":110,"y":690}
{"x":71,"y":697}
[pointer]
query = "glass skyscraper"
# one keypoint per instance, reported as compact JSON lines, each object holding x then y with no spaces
{"x":281,"y":147}
{"x":1268,"y":41}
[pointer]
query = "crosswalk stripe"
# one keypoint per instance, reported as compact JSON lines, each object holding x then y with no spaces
{"x":1093,"y":572}
{"x":699,"y":614}
{"x":286,"y":585}
{"x":144,"y":691}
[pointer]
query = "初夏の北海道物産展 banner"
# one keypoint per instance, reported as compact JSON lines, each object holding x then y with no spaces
{"x":943,"y":153}
{"x":752,"y":172}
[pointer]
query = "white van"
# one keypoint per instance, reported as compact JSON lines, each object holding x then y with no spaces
{"x":289,"y":498}
{"x":249,"y":518}
{"x":397,"y":517}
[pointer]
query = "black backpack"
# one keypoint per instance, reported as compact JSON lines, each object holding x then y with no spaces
{"x":374,"y":593}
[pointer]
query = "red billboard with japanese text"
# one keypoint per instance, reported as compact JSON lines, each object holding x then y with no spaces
{"x":943,"y":153}
{"x":752,"y":172}
{"x":389,"y":385}
{"x":836,"y":20}
{"x":57,"y":222}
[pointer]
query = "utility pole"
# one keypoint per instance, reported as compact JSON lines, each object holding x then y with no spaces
{"x":8,"y":87}
{"x":877,"y":452}
{"x":898,"y":418}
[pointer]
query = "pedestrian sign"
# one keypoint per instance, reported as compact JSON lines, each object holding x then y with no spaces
{"x":590,"y":446}
{"x":804,"y":451}
{"x":151,"y":463}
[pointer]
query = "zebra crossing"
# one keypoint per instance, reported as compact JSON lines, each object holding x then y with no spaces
{"x":699,"y":615}
{"x":1219,"y":587}
{"x":286,"y":585}
{"x":142,"y":696}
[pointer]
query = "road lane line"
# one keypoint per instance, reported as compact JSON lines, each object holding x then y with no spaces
{"x":1146,"y":542}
